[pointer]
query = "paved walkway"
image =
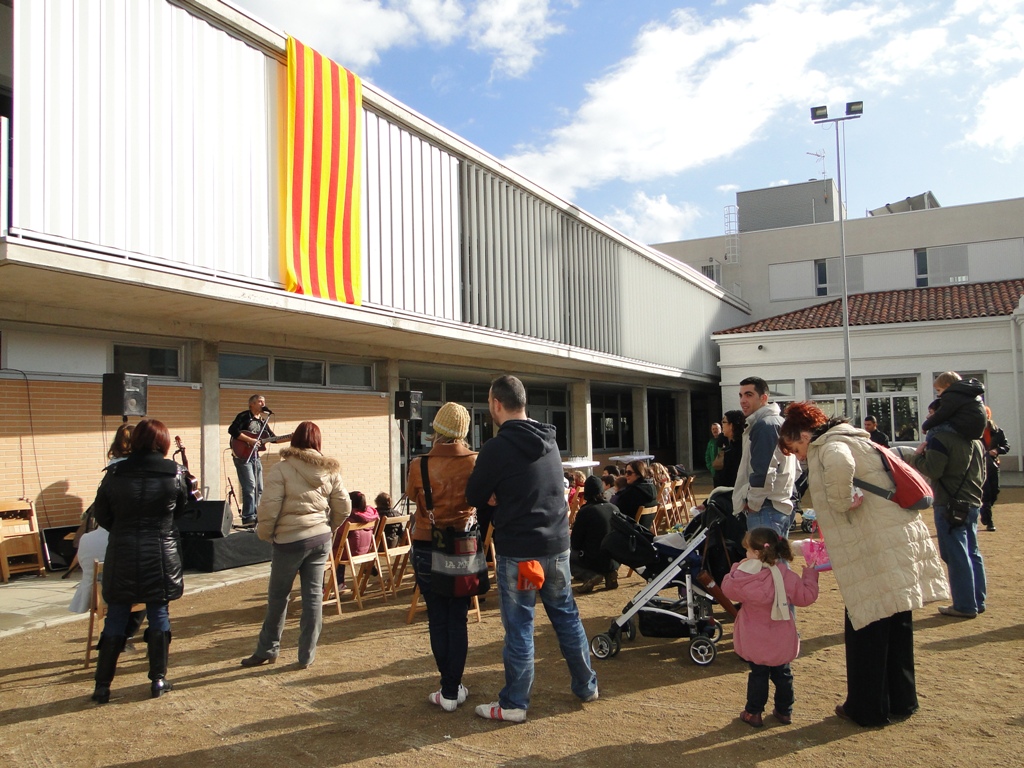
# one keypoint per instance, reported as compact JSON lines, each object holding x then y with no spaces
{"x":31,"y":602}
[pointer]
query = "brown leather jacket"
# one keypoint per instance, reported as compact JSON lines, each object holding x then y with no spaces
{"x":449,"y":468}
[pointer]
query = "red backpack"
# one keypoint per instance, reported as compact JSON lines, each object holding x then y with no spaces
{"x":912,"y":490}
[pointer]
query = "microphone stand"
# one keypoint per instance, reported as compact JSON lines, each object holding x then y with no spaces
{"x":255,"y":455}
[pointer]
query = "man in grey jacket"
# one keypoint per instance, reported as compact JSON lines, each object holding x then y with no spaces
{"x":765,"y":480}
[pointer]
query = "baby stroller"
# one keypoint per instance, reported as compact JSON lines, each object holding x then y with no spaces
{"x":668,"y":561}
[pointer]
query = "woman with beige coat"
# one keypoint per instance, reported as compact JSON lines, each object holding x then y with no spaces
{"x":304,"y":501}
{"x":883,"y":558}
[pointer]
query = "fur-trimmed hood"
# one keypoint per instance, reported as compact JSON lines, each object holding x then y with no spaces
{"x":312,"y":457}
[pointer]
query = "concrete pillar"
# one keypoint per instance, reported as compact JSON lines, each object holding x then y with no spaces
{"x":684,"y":431}
{"x":389,"y":374}
{"x":641,"y":433}
{"x":581,"y":441}
{"x":206,"y":361}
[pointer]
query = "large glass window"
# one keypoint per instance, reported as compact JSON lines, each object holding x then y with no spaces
{"x":611,"y":420}
{"x":893,"y":401}
{"x":309,"y":372}
{"x":550,"y":406}
{"x":152,"y":361}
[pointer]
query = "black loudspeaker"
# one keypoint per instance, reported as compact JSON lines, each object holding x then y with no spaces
{"x":206,"y":519}
{"x":125,"y":394}
{"x":408,"y":405}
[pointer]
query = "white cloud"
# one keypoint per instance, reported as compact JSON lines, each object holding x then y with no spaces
{"x":694,"y":91}
{"x":653,"y":219}
{"x":513,"y":30}
{"x":727,"y":188}
{"x":998,"y":125}
{"x":356,"y":33}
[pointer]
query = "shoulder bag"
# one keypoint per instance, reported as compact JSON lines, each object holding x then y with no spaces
{"x":458,"y":564}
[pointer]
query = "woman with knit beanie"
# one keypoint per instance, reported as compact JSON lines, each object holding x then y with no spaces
{"x":449,"y":465}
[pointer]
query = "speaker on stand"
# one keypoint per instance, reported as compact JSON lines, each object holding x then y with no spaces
{"x":125,"y":394}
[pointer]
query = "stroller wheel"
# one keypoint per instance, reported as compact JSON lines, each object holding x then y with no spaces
{"x":630,"y":630}
{"x":809,"y":526}
{"x":712,"y":630}
{"x":602,"y":646}
{"x":702,"y":650}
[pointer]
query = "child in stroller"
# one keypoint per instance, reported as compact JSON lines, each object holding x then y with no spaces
{"x":674,"y":560}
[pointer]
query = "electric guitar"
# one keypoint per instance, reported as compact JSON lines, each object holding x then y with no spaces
{"x":244,"y":451}
{"x":194,"y":492}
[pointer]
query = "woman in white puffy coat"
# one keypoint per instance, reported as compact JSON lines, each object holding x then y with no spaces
{"x":304,"y":501}
{"x":883,"y":558}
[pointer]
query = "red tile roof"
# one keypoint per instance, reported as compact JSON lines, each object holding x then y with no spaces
{"x":913,"y":305}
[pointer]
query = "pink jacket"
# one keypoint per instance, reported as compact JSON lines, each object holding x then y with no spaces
{"x":361,"y":542}
{"x":756,"y":636}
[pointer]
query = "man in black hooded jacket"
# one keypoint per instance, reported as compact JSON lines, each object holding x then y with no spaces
{"x":519,"y":473}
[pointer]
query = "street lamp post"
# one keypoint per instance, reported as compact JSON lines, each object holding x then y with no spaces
{"x":854,"y":109}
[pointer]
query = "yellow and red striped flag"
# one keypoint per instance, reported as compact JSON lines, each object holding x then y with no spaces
{"x":322,"y":198}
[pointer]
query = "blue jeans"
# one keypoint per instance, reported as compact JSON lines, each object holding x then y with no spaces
{"x":119,"y":614}
{"x":958,"y":549}
{"x":283,"y":567}
{"x":447,"y":618}
{"x":250,"y":478}
{"x":517,"y":613}
{"x":769,"y":517}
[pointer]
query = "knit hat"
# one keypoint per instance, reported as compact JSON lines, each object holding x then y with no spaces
{"x":452,"y":421}
{"x":593,"y":489}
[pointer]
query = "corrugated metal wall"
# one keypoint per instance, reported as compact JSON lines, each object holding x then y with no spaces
{"x":531,"y":269}
{"x":141,"y":128}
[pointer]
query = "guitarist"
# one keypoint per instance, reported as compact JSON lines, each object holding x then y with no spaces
{"x":250,"y":470}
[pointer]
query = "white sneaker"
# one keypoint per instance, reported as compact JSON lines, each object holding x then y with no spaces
{"x":592,"y":697}
{"x":449,"y":705}
{"x":494,"y":711}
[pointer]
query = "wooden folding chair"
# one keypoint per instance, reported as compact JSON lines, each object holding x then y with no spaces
{"x":651,"y":515}
{"x":21,"y":550}
{"x":690,"y":499}
{"x":331,"y":591}
{"x":98,"y":608}
{"x":359,"y":566}
{"x":396,"y":558}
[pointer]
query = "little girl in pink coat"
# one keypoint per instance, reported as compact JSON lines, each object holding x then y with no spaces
{"x":765,"y":633}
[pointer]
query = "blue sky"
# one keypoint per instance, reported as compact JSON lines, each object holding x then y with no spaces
{"x":651,"y":115}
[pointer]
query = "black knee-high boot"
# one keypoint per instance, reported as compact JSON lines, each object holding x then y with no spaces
{"x":157,"y":644}
{"x":110,"y":648}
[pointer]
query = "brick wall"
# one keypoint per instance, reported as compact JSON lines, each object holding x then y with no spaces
{"x":53,"y":441}
{"x":354,"y":430}
{"x":54,"y":452}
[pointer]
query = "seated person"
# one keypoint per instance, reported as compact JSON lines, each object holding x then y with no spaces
{"x":576,"y":481}
{"x":92,"y":547}
{"x":612,"y":470}
{"x":639,"y":492}
{"x":609,"y":486}
{"x":391,"y":532}
{"x":620,"y":484}
{"x":593,"y":522}
{"x":960,"y":406}
{"x":360,"y":542}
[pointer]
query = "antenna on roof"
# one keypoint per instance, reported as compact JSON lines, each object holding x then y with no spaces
{"x":821,"y":159}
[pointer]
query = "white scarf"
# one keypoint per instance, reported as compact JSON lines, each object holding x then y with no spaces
{"x":780,"y":607}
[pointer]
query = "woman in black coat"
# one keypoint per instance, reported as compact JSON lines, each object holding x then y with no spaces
{"x":732,"y":427}
{"x":639,"y":492}
{"x":137,"y":502}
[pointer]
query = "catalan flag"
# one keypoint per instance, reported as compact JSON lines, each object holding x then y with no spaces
{"x":322,"y":197}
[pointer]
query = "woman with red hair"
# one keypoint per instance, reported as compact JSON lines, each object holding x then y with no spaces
{"x":884,"y":562}
{"x":137,"y":502}
{"x":304,"y":502}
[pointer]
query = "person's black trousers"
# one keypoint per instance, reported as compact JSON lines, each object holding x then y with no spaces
{"x":880,"y":681}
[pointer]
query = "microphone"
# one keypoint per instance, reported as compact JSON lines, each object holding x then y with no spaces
{"x":267,"y":410}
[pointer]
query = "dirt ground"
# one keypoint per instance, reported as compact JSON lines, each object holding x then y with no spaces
{"x":364,"y":701}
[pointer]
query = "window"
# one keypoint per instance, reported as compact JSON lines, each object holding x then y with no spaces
{"x":820,"y":277}
{"x":550,"y":406}
{"x":295,"y":371}
{"x":152,"y":361}
{"x":611,"y":420}
{"x":893,"y":401}
{"x":712,"y":272}
{"x":921,"y":267}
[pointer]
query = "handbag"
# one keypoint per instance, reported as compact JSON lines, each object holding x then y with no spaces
{"x":719,"y":463}
{"x":458,"y":563}
{"x":957,"y":511}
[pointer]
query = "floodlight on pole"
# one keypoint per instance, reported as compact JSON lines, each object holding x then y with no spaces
{"x":819,"y":115}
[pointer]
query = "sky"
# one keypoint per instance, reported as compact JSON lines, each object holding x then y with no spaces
{"x":651,"y":115}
